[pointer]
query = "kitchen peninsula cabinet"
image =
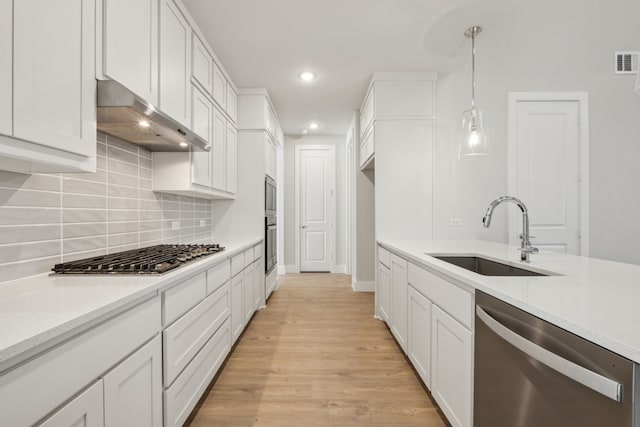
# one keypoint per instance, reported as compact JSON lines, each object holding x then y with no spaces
{"x":437,"y":331}
{"x":47,"y":86}
{"x":399,"y":288}
{"x":86,"y":410}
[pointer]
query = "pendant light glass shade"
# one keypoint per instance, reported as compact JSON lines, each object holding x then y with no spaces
{"x":473,"y":134}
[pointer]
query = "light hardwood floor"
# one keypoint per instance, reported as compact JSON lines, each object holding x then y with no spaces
{"x":317,"y":357}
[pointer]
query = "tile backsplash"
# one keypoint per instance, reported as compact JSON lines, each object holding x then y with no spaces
{"x":50,"y":218}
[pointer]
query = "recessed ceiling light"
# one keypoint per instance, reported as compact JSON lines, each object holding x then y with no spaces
{"x":184,"y":144}
{"x":144,"y":124}
{"x":307,"y":76}
{"x":313,"y":125}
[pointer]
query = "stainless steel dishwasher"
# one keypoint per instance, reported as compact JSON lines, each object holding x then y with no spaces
{"x":530,"y":373}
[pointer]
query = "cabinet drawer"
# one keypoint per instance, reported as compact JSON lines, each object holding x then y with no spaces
{"x":45,"y":382}
{"x":257,"y":252}
{"x":182,"y":340}
{"x":367,"y":112}
{"x":237,"y":264}
{"x":454,"y":300}
{"x":218,"y":276}
{"x":182,"y":396}
{"x":248,"y":257}
{"x":384,"y":257}
{"x":181,"y":297}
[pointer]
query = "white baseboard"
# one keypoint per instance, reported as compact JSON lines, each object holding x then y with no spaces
{"x":363,"y":286}
{"x":340,"y":269}
{"x":282,"y":269}
{"x":291,"y":269}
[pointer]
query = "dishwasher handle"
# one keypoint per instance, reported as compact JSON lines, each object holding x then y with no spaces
{"x":596,"y":382}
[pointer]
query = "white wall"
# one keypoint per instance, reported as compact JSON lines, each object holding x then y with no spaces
{"x":289,"y":179}
{"x":546,"y":45}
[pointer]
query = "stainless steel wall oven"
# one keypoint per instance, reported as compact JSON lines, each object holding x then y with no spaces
{"x":270,"y":225}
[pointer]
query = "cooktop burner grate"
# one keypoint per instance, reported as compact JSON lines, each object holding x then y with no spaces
{"x":151,"y":260}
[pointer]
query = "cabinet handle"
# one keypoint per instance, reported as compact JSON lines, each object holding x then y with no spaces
{"x":596,"y":382}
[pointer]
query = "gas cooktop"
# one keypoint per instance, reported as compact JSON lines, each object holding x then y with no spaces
{"x":150,"y":260}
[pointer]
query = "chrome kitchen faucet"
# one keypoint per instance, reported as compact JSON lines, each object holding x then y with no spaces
{"x":525,"y":246}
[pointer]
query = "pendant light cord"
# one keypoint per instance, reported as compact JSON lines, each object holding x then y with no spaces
{"x":473,"y":69}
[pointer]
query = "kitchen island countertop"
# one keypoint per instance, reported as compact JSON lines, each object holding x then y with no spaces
{"x":595,"y":299}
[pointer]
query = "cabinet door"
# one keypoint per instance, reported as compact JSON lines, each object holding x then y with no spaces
{"x":232,"y":158}
{"x":270,"y":158}
{"x":133,"y":389}
{"x":249,"y":292}
{"x":219,"y":86}
{"x":202,"y":64}
{"x":399,"y":300}
{"x":175,"y":73}
{"x":383,"y":293}
{"x":86,"y":410}
{"x":219,"y":151}
{"x":258,"y":272}
{"x":6,"y":62}
{"x":451,"y":362}
{"x":232,"y":103}
{"x":237,"y":307}
{"x":130,"y":45}
{"x":419,"y":336}
{"x":202,"y":115}
{"x":54,"y":86}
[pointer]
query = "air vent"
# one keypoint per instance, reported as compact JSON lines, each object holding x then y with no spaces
{"x":626,"y":62}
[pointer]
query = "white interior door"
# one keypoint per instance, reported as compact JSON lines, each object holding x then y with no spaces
{"x":316,"y":196}
{"x":546,"y":171}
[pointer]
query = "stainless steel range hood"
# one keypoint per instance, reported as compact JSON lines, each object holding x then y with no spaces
{"x":130,"y":118}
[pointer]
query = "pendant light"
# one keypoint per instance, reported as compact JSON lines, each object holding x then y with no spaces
{"x":473,"y":136}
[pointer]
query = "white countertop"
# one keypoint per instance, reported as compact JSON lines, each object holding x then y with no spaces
{"x":596,"y":299}
{"x":39,"y":311}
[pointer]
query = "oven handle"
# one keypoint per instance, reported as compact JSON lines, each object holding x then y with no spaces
{"x":596,"y":382}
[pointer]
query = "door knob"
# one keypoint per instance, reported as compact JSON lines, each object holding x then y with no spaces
{"x":303,"y":226}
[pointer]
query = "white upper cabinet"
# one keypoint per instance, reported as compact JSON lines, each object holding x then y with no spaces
{"x":232,"y":159}
{"x":130,"y":45}
{"x":202,"y":115}
{"x":219,"y":86}
{"x":47,"y":86}
{"x":232,"y":103}
{"x":219,"y":151}
{"x":6,"y":75}
{"x":175,"y":63}
{"x":201,"y":64}
{"x":270,"y":158}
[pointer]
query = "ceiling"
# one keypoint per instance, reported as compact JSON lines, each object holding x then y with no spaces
{"x":267,"y":43}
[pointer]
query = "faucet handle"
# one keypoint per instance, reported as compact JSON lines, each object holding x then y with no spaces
{"x":530,"y":237}
{"x":529,"y":250}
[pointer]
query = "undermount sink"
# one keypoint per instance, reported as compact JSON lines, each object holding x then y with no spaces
{"x":485,"y":266}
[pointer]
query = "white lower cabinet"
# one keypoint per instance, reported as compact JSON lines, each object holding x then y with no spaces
{"x":437,"y":331}
{"x":383,"y":292}
{"x":237,"y":307}
{"x":451,"y":362}
{"x":86,"y":410}
{"x":399,"y":285}
{"x":185,"y":337}
{"x":184,"y":393}
{"x":133,"y":389}
{"x":419,"y":345}
{"x":249,"y":292}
